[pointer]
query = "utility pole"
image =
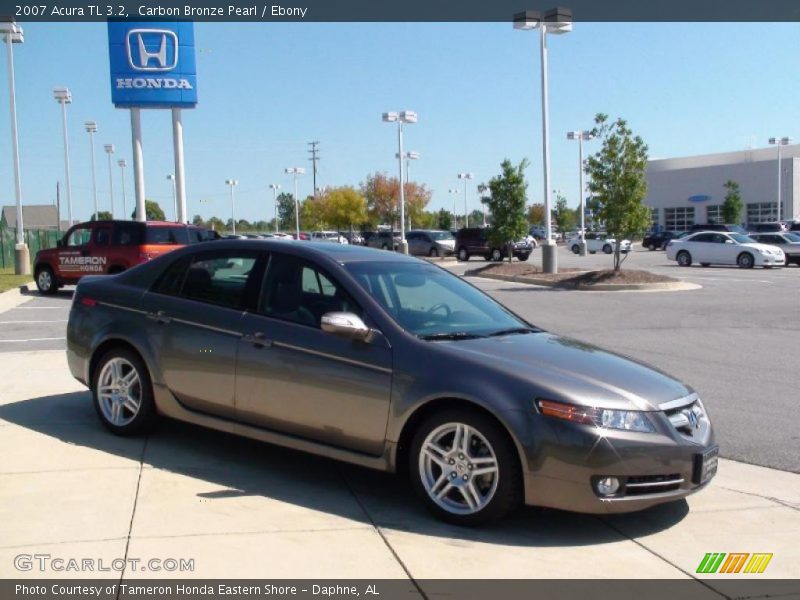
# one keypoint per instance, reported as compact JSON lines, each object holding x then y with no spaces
{"x":314,"y":151}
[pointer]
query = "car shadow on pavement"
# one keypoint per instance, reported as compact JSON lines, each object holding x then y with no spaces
{"x":228,"y":466}
{"x":28,"y":290}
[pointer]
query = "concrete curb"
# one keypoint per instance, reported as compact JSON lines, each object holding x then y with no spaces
{"x":667,"y":286}
{"x":13,"y":298}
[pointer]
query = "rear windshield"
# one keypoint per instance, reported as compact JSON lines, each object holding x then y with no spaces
{"x":166,"y":235}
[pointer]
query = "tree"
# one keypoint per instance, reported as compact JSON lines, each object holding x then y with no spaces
{"x":444,"y":219}
{"x":476,"y":218}
{"x":382,"y":194}
{"x":417,"y":198}
{"x":506,"y":201}
{"x":732,"y":206}
{"x":152,"y":211}
{"x":311,"y":214}
{"x":216,"y":224}
{"x":536,"y":214}
{"x":564,"y":215}
{"x":285,"y":211}
{"x":102,"y":215}
{"x":617,"y":174}
{"x":343,"y":208}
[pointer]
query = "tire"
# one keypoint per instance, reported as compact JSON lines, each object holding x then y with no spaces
{"x":496,"y":255}
{"x":433,"y":253}
{"x":651,"y":246}
{"x":745,"y":260}
{"x":523,"y":257}
{"x":684,"y":258}
{"x":607,"y":249}
{"x":46,"y":281}
{"x":495,"y":494}
{"x":384,"y":247}
{"x":575,"y":249}
{"x":705,"y":264}
{"x":463,"y":255}
{"x":123,"y":413}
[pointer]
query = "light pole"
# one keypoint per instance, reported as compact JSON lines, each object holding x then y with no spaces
{"x":91,"y":129}
{"x":63,"y":96}
{"x":122,"y":164}
{"x":408,"y":156}
{"x":784,"y":141}
{"x":109,"y":148}
{"x":275,"y":187}
{"x":12,"y":34}
{"x":455,"y":193}
{"x":581,"y":136}
{"x":294,"y":172}
{"x":233,"y":183}
{"x":466,"y":177}
{"x":555,"y":21}
{"x":405,"y":116}
{"x":171,"y":177}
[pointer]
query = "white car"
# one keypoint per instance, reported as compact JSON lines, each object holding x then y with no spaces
{"x":723,"y":248}
{"x":328,"y":236}
{"x":597,"y":242}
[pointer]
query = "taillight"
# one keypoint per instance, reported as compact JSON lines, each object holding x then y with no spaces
{"x":86,"y":301}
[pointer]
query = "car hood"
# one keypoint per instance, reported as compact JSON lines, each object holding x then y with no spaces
{"x":759,"y":246}
{"x":570,"y":370}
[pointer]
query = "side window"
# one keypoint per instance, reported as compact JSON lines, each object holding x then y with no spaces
{"x":219,"y":277}
{"x":296,"y":290}
{"x":79,"y":236}
{"x":720,"y":239}
{"x":703,"y":237}
{"x":171,"y":280}
{"x":102,"y":236}
{"x":126,"y":234}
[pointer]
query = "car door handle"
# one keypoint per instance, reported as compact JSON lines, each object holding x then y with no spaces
{"x":258,"y":339}
{"x":159,"y":317}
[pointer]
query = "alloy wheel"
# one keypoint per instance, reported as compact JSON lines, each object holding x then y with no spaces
{"x":458,"y":468}
{"x":119,"y":391}
{"x":44,"y":280}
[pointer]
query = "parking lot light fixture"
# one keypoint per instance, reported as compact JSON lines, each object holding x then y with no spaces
{"x":122,"y":164}
{"x":466,"y":177}
{"x":109,"y":148}
{"x":581,"y":136}
{"x":275,"y":187}
{"x":779,"y":142}
{"x":404,"y":116}
{"x":63,"y":96}
{"x":294,"y":172}
{"x":91,"y":129}
{"x":556,"y":21}
{"x":233,"y":183}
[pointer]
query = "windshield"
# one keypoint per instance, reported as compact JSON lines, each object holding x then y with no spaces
{"x":442,"y":235}
{"x":742,"y":239}
{"x":792,"y":237}
{"x":430,"y":302}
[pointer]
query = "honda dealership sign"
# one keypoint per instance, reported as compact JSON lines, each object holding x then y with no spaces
{"x":152,"y":64}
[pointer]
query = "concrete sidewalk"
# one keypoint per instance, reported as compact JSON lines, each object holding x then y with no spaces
{"x":243,"y":509}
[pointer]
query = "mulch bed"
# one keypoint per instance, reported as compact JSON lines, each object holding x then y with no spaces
{"x":574,"y":277}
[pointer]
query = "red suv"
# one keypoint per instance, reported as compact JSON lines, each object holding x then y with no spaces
{"x":108,"y":247}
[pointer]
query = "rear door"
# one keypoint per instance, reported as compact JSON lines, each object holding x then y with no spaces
{"x":295,"y":378}
{"x":195,"y":321}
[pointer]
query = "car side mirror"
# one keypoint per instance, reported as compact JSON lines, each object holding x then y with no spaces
{"x":346,"y":324}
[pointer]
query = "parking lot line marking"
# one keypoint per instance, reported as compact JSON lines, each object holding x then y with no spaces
{"x":55,"y":321}
{"x":31,"y":340}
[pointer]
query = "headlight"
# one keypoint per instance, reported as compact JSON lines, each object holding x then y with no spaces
{"x":606,"y":418}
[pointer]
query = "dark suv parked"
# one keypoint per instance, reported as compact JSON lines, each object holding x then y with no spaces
{"x":659,"y":241}
{"x":475,"y":241}
{"x":767,"y":228}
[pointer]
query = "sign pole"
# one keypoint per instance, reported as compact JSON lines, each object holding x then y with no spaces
{"x":180,"y":178}
{"x":138,"y":162}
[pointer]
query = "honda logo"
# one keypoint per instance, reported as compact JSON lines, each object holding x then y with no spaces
{"x":154,"y":50}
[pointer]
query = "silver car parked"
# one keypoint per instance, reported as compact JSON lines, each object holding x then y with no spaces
{"x":389,"y":362}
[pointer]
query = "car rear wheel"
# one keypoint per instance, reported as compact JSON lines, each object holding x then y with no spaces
{"x":463,"y":254}
{"x":523,"y":257}
{"x":464,"y":467}
{"x":46,"y":281}
{"x":607,"y":249}
{"x":745,"y":260}
{"x":684,"y":258}
{"x":433,"y":252}
{"x":122,"y":393}
{"x":496,"y":255}
{"x":651,"y":246}
{"x":576,"y":249}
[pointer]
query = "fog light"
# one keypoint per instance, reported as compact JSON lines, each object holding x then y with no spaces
{"x":608,"y":486}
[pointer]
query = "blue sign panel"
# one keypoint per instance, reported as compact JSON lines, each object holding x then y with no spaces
{"x":699,"y":198}
{"x":152,"y":64}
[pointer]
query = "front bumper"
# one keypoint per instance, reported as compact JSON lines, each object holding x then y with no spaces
{"x":770,"y":260}
{"x":562,"y":474}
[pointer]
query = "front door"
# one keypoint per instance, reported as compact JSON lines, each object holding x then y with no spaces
{"x":294,"y":378}
{"x":75,"y":257}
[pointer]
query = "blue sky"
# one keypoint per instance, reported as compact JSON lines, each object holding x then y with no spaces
{"x":267,"y":89}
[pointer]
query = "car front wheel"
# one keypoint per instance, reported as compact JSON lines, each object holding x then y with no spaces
{"x":607,"y":249}
{"x":463,"y":255}
{"x":122,"y":393}
{"x":745,"y":260}
{"x":684,"y":259}
{"x":46,"y":281}
{"x":651,"y":246}
{"x":496,"y":255}
{"x":576,"y":249}
{"x":465,"y":468}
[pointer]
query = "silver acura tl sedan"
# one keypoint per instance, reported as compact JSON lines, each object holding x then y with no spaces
{"x":392,"y":363}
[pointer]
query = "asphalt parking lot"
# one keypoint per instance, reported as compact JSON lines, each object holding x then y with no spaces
{"x":240,"y":508}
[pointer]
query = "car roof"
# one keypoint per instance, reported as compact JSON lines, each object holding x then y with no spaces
{"x":341,"y":253}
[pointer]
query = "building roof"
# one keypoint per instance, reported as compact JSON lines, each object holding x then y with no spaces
{"x":723,"y":158}
{"x":35,"y":216}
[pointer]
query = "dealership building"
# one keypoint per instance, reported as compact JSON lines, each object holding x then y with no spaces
{"x":689,"y":190}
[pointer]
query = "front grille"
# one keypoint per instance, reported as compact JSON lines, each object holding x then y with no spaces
{"x":652,"y":484}
{"x":687,"y":416}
